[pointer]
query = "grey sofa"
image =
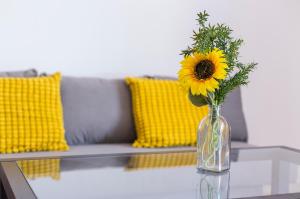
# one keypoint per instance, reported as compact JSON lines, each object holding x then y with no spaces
{"x":99,"y":121}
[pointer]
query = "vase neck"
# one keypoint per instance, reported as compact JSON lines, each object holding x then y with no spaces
{"x":214,"y":111}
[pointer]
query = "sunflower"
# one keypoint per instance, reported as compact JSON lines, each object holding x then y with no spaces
{"x":200,"y":72}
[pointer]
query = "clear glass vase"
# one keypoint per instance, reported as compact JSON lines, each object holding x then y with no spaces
{"x":213,"y":142}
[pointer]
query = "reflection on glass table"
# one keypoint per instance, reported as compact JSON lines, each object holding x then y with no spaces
{"x":213,"y":185}
{"x":254,"y":172}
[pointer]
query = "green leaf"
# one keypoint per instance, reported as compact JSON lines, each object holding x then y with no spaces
{"x":197,"y":100}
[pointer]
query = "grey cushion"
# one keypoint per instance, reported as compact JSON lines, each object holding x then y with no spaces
{"x":25,"y":73}
{"x":232,"y":110}
{"x":96,"y":111}
{"x":103,"y":149}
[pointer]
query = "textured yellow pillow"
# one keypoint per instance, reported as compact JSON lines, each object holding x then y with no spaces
{"x":31,"y":117}
{"x":163,"y":114}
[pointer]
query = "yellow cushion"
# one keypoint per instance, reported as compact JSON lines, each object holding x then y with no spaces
{"x":163,"y":114}
{"x":31,"y":116}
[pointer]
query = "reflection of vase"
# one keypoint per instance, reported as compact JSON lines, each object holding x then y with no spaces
{"x":213,"y":142}
{"x":213,"y":185}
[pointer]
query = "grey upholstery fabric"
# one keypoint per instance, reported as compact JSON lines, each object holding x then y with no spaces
{"x":102,"y":150}
{"x":25,"y":73}
{"x":96,"y":111}
{"x":232,"y":110}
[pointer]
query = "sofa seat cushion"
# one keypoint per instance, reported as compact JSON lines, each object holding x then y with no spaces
{"x":102,"y":149}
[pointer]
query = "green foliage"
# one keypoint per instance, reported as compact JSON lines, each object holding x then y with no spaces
{"x":238,"y":79}
{"x":208,"y":37}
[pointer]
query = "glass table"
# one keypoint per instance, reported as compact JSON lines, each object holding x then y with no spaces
{"x":264,"y":172}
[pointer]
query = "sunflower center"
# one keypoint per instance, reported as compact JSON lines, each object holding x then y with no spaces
{"x":204,"y":69}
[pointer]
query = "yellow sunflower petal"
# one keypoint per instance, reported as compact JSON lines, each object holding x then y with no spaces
{"x":220,"y":74}
{"x":199,"y":57}
{"x":209,"y":87}
{"x":185,"y":72}
{"x":214,"y":83}
{"x":198,"y":88}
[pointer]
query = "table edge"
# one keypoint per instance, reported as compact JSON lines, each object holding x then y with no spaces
{"x":14,"y":183}
{"x":140,"y":153}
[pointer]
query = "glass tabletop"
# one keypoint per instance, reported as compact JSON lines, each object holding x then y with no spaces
{"x":254,"y":172}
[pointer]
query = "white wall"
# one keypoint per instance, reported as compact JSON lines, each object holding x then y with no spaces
{"x":134,"y":37}
{"x":271,"y":29}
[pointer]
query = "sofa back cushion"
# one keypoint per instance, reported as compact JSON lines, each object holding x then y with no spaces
{"x":97,"y":111}
{"x":232,"y":110}
{"x":23,"y":73}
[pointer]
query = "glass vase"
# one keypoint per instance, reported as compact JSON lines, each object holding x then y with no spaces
{"x":213,"y":142}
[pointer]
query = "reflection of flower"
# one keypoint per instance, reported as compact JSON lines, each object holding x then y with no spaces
{"x":199,"y":72}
